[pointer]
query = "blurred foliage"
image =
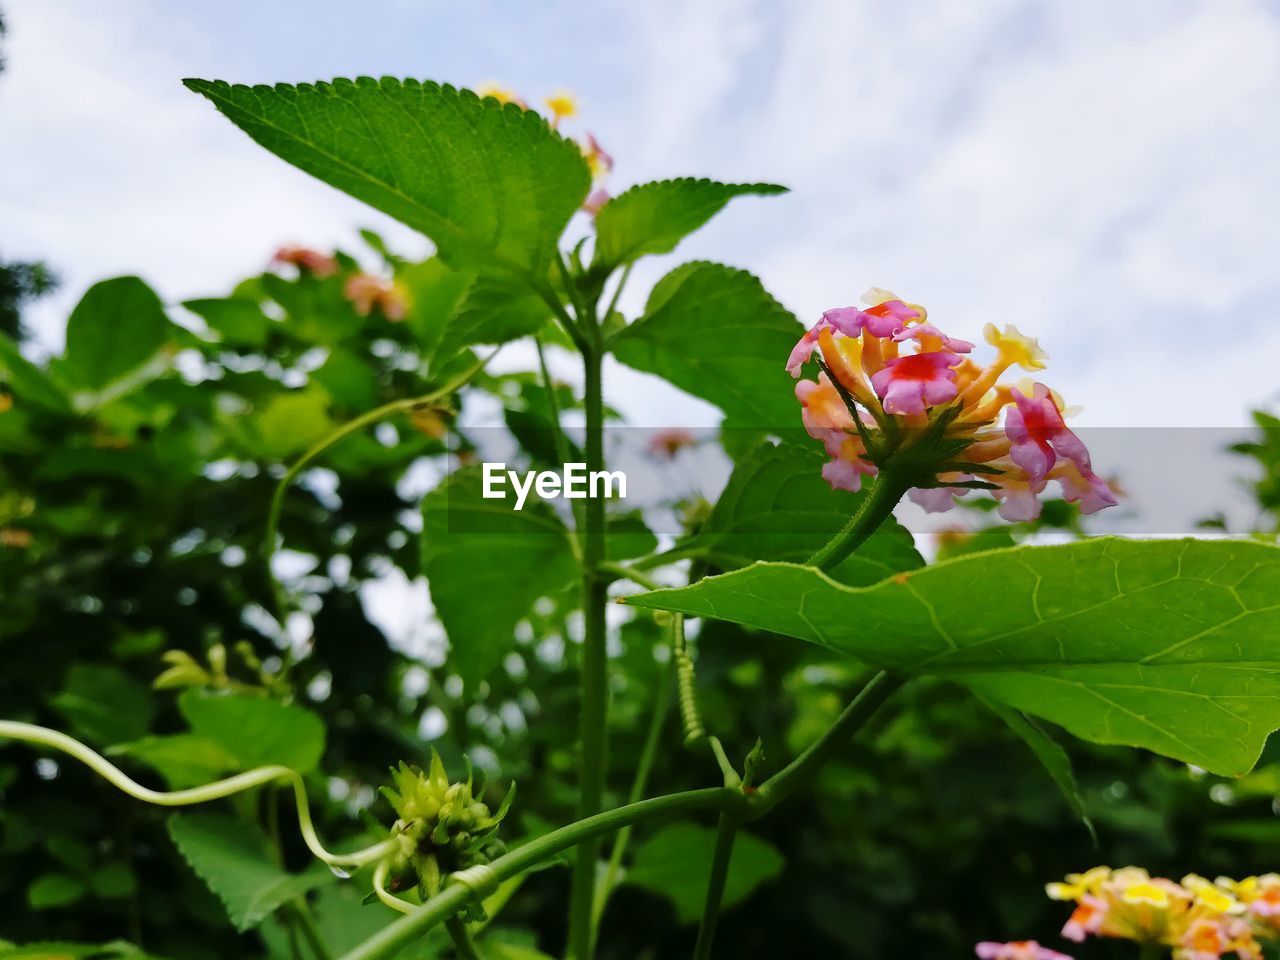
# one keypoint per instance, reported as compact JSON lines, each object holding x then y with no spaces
{"x":131,"y":519}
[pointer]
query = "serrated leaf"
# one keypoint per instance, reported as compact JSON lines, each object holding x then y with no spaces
{"x":675,"y":863}
{"x":654,"y":217}
{"x":493,"y":310}
{"x":486,"y":564}
{"x":488,"y":184}
{"x":716,"y":333}
{"x":776,"y":506}
{"x":1170,"y":645}
{"x":114,"y":331}
{"x":256,"y":731}
{"x":233,"y":862}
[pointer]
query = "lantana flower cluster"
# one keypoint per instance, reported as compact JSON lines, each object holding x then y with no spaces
{"x":1197,"y":919}
{"x":366,"y":292}
{"x":895,"y":389}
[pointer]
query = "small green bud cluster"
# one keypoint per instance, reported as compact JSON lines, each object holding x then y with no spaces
{"x":443,"y":827}
{"x":183,"y":670}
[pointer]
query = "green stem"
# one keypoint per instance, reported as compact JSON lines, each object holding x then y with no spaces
{"x":351,"y":426}
{"x":594,"y":711}
{"x":877,"y":504}
{"x":726,"y":832}
{"x":623,"y":572}
{"x":478,"y":882}
{"x":462,"y":942}
{"x":858,"y":712}
{"x":249,"y":780}
{"x":1150,"y":951}
{"x":617,"y":291}
{"x":307,"y":927}
{"x":648,"y":753}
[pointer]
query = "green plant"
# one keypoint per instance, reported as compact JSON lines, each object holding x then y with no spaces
{"x":1162,"y":645}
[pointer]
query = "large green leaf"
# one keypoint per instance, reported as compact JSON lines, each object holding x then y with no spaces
{"x":256,"y":731}
{"x":1171,"y":645}
{"x":112,"y":334}
{"x":233,"y":862}
{"x":487,"y":563}
{"x":488,"y":184}
{"x":676,"y":863}
{"x":654,"y":217}
{"x":776,"y":506}
{"x":716,"y":333}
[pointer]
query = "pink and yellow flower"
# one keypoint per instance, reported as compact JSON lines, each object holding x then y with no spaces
{"x":368,"y":293}
{"x":1195,"y":919}
{"x":1016,"y":950}
{"x":919,"y":396}
{"x":308,"y":261}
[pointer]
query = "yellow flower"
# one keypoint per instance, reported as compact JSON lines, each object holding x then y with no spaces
{"x":1211,"y":896}
{"x":562,"y":104}
{"x":1015,"y":347}
{"x":498,"y":92}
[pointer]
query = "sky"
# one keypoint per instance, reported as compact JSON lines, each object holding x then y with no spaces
{"x":1102,"y":174}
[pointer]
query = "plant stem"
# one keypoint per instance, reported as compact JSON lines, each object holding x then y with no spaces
{"x":462,"y":942}
{"x":307,"y":926}
{"x":623,"y":572}
{"x":648,"y":753}
{"x":726,"y":833}
{"x":324,"y":443}
{"x":594,"y":712}
{"x":250,"y":779}
{"x":454,"y":897}
{"x":877,"y":504}
{"x":858,"y":712}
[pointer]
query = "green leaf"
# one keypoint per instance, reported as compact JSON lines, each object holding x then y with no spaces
{"x":488,"y":184}
{"x":654,"y":217}
{"x":238,"y":321}
{"x":233,"y":862}
{"x":716,"y":333}
{"x":29,"y":382}
{"x":104,"y":704}
{"x":486,"y":564}
{"x":60,"y":950}
{"x":776,"y":506}
{"x":54,"y":890}
{"x":289,"y":423}
{"x":494,"y":310}
{"x":676,"y":863}
{"x":1169,"y":645}
{"x":1052,"y":757}
{"x":256,"y":731}
{"x":183,"y":759}
{"x":115,"y":329}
